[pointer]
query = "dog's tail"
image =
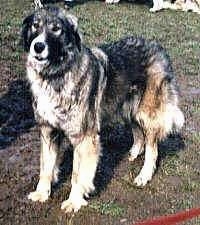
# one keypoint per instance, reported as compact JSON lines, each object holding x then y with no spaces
{"x":159,"y":111}
{"x":174,"y":118}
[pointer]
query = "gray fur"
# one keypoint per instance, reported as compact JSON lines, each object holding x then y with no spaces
{"x":77,"y":89}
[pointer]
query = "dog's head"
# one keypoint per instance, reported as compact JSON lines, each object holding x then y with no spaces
{"x":51,"y":37}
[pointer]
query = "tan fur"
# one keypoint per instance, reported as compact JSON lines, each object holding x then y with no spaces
{"x":152,"y":106}
{"x":151,"y":154}
{"x":153,"y":116}
{"x":131,"y":80}
{"x":85,"y":161}
{"x":48,"y":167}
{"x":138,"y":146}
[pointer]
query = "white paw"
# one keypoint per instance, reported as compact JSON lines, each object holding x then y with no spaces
{"x":38,"y":196}
{"x":143,"y":177}
{"x":70,"y":206}
{"x":140,"y":181}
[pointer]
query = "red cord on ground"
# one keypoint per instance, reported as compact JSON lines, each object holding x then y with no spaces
{"x":172,"y":219}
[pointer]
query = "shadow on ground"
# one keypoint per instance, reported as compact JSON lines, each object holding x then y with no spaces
{"x":116,"y":143}
{"x":16,"y":113}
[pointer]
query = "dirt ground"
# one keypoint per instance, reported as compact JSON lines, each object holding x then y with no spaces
{"x":175,"y":185}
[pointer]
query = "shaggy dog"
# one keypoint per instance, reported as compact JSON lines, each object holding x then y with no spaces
{"x":76,"y":88}
{"x":184,"y":5}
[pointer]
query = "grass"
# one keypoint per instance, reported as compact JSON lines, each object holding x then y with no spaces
{"x":172,"y":165}
{"x":175,"y":185}
{"x":191,"y":186}
{"x":108,"y":208}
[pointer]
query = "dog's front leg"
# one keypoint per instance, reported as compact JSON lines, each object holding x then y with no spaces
{"x":48,"y":167}
{"x":85,"y":161}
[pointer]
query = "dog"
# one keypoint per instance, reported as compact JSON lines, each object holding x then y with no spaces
{"x":76,"y":89}
{"x":184,"y":5}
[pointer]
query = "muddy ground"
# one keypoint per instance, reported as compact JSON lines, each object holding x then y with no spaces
{"x":174,"y":187}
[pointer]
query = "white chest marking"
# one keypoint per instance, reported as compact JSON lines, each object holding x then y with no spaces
{"x":46,"y":106}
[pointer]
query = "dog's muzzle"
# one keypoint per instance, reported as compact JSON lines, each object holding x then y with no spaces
{"x":39,"y":48}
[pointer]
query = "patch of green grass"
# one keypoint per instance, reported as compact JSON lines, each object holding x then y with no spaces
{"x":108,"y":208}
{"x":190,"y":186}
{"x":195,"y":107}
{"x":194,"y":139}
{"x":186,"y":203}
{"x":171,"y":165}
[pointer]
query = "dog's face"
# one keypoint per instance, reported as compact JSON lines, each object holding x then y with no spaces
{"x":50,"y":37}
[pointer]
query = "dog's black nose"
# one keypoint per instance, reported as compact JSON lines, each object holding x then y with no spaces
{"x":39,"y":47}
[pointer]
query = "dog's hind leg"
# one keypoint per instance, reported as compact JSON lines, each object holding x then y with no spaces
{"x":85,"y":161}
{"x":138,"y":146}
{"x":151,"y":154}
{"x":50,"y":142}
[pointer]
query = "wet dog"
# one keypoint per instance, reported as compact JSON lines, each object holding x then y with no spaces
{"x":76,"y":89}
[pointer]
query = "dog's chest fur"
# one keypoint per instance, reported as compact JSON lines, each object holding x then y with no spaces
{"x":59,"y":109}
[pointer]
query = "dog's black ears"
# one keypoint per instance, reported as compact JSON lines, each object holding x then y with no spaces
{"x":25,"y":32}
{"x":73,"y":21}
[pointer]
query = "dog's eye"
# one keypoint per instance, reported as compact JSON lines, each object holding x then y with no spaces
{"x":56,"y":30}
{"x":35,"y":26}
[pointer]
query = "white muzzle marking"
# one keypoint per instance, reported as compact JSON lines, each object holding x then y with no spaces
{"x":40,"y":56}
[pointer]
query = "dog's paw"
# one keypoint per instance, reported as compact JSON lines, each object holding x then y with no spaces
{"x":38,"y":196}
{"x":142,"y":179}
{"x":71,"y":206}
